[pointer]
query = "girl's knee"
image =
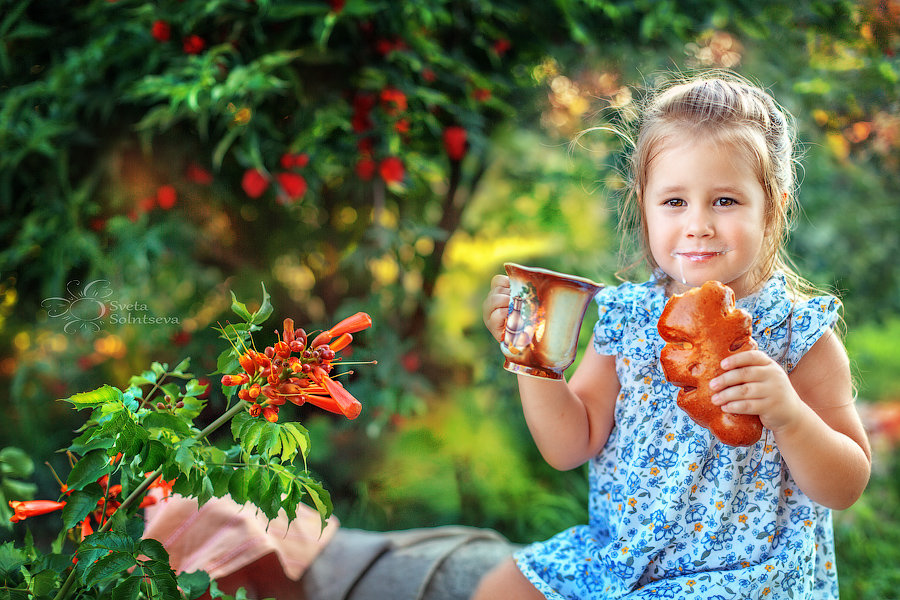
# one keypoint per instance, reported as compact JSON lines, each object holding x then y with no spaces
{"x":506,"y":581}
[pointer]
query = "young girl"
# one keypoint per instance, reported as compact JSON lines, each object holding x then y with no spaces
{"x":674,"y":513}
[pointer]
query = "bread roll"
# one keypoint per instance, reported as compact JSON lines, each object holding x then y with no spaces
{"x":702,"y":327}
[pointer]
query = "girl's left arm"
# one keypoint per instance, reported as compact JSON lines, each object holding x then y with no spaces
{"x":811,"y":414}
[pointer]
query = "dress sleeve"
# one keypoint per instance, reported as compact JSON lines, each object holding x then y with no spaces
{"x":809,"y":320}
{"x":613,"y":310}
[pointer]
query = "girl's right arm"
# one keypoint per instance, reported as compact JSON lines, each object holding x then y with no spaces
{"x":569,"y":421}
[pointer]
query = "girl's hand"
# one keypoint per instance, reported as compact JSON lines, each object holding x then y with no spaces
{"x":754,"y":384}
{"x":496,"y":306}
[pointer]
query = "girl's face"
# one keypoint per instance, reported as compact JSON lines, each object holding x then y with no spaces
{"x":704,"y":210}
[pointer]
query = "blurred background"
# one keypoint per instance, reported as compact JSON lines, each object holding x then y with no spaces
{"x":389,"y":157}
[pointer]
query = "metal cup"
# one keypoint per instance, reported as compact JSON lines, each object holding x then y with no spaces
{"x":546,"y":309}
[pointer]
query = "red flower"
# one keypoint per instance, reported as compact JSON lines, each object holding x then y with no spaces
{"x":366,"y":146}
{"x":32,"y":508}
{"x":362,"y":106}
{"x":455,"y":142}
{"x":393,"y":100}
{"x":293,"y":185}
{"x":147,"y":204}
{"x":193,"y":44}
{"x":365,"y":168}
{"x":198,"y":174}
{"x":349,"y":406}
{"x":481,"y":94}
{"x":337,"y":5}
{"x":161,"y":31}
{"x":352,"y":324}
{"x":254,"y":183}
{"x":385,"y":47}
{"x":391,"y":170}
{"x":428,"y":75}
{"x":402,"y":126}
{"x":501,"y":46}
{"x":289,"y":161}
{"x":166,"y":197}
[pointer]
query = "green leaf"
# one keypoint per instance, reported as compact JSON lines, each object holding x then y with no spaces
{"x":240,"y":309}
{"x":15,"y":462}
{"x":181,"y":367}
{"x":11,"y":560}
{"x":153,"y":455}
{"x":153,"y":549}
{"x":238,"y":485}
{"x":108,"y":567}
{"x":167,"y":422}
{"x":131,"y":438}
{"x":44,"y":583}
{"x":79,"y":504}
{"x":162,"y":577}
{"x":91,"y":467}
{"x":128,"y":589}
{"x":269,"y":441}
{"x":194,"y":584}
{"x":250,"y":433}
{"x":321,"y":499}
{"x":184,"y":456}
{"x":98,"y":397}
{"x":265,"y":308}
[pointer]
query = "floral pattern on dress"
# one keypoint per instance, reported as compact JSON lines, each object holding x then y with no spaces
{"x":674,"y":513}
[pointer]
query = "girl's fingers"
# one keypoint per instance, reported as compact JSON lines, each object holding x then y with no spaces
{"x":496,"y":306}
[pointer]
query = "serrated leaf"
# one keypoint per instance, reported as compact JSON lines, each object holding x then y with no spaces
{"x":321,"y":500}
{"x":153,"y":455}
{"x":127,"y":589}
{"x":288,"y":445}
{"x":250,"y":434}
{"x":131,"y":438}
{"x":184,"y":456}
{"x":107,"y":567}
{"x":181,"y":367}
{"x":238,"y":484}
{"x":98,"y":397}
{"x":238,"y":422}
{"x":166,"y":421}
{"x":194,"y":584}
{"x":269,"y":443}
{"x":11,"y":559}
{"x":153,"y":549}
{"x":79,"y":504}
{"x":91,"y":467}
{"x":44,"y":583}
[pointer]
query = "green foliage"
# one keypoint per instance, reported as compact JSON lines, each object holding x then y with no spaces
{"x":15,"y":465}
{"x":142,"y":436}
{"x":101,"y":113}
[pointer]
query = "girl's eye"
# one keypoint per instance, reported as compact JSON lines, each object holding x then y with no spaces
{"x":726,"y":202}
{"x":675,"y":202}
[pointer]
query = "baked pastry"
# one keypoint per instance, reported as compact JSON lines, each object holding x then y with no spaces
{"x":702,"y":327}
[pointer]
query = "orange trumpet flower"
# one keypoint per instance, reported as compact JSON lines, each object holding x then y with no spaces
{"x":32,"y":508}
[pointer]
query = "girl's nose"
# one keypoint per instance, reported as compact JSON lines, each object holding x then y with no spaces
{"x":699,"y":224}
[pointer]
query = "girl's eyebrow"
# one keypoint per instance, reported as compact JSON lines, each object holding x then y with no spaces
{"x":680,"y":189}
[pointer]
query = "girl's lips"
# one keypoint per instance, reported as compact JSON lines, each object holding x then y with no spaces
{"x":698,"y":256}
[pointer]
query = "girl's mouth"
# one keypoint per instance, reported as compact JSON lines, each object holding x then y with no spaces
{"x":698,"y":255}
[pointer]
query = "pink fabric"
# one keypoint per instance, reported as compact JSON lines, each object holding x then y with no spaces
{"x":222,"y":536}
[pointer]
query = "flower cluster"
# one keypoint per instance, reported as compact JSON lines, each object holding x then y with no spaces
{"x":297,"y":372}
{"x":107,"y":505}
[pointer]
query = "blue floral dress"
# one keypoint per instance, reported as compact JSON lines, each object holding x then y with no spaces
{"x":674,"y":513}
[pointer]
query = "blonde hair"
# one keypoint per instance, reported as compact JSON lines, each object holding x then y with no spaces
{"x":725,"y":108}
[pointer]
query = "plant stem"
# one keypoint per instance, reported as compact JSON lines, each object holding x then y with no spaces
{"x":148,"y":481}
